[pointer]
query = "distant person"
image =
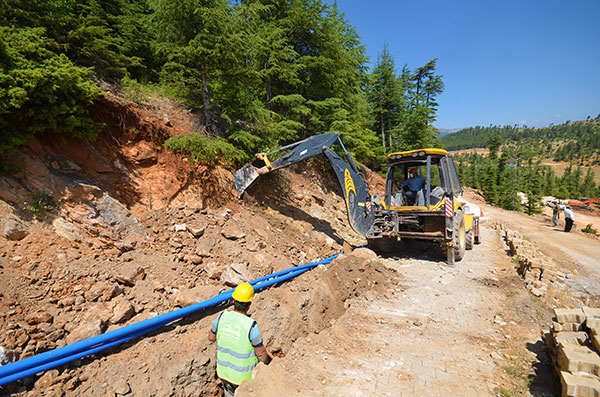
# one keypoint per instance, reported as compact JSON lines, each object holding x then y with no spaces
{"x":555,"y":213}
{"x":569,"y":218}
{"x":239,"y":343}
{"x":412,"y":185}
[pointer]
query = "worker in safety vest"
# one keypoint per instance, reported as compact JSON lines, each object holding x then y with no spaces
{"x":239,"y":344}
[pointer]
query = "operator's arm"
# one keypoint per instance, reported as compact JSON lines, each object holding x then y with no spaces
{"x":257,"y":344}
{"x":212,"y":333}
{"x":261,"y":354}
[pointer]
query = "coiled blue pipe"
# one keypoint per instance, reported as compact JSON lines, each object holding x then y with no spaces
{"x":63,"y":355}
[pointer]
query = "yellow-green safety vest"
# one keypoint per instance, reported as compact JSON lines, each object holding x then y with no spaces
{"x":235,"y":354}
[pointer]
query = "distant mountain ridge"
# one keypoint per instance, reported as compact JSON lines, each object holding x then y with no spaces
{"x":447,"y":131}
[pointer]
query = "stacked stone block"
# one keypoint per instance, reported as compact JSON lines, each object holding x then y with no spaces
{"x":574,"y":344}
{"x":536,"y":268}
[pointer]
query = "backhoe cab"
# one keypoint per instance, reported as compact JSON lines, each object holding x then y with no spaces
{"x":427,"y":208}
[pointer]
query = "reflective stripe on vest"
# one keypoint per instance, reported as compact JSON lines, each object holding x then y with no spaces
{"x":235,"y":354}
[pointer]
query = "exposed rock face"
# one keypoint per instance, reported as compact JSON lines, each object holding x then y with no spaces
{"x":89,"y":266}
{"x":142,"y":153}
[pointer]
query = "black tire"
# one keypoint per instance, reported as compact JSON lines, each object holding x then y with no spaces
{"x":469,"y":239}
{"x":459,"y":236}
{"x":478,"y":234}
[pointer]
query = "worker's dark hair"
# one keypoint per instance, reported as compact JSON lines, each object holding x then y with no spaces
{"x":240,"y":306}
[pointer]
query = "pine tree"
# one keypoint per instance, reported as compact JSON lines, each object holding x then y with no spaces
{"x":40,"y":91}
{"x":488,"y":182}
{"x":196,"y":37}
{"x":588,"y":187}
{"x":577,"y":182}
{"x":419,"y":112}
{"x":385,"y":95}
{"x":532,"y":191}
{"x":509,"y":200}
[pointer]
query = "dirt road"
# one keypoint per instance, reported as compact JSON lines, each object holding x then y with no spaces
{"x":443,"y":331}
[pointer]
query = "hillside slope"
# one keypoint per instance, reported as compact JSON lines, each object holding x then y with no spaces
{"x":131,"y":231}
{"x":98,"y":235}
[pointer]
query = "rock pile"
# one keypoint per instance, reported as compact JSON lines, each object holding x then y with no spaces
{"x":574,"y":343}
{"x":534,"y":266}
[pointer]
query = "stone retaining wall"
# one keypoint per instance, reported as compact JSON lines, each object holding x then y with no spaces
{"x":574,"y":343}
{"x":538,"y":270}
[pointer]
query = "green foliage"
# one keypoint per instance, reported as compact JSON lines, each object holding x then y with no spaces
{"x":404,"y":106}
{"x":109,"y":36}
{"x":385,"y":93}
{"x":142,"y":92}
{"x":206,"y":150}
{"x":493,"y":143}
{"x":589,"y":229}
{"x":532,"y":190}
{"x":501,"y":179}
{"x":41,"y":203}
{"x":263,"y":73}
{"x":40,"y":91}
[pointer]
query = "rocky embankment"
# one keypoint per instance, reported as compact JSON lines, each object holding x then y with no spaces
{"x":95,"y":236}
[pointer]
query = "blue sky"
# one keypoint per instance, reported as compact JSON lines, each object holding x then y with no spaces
{"x":531,"y":62}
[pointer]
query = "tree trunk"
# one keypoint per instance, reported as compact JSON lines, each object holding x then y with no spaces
{"x":382,"y":133}
{"x":269,"y":94}
{"x":208,"y":119}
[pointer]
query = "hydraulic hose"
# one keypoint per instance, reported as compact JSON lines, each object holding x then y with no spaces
{"x":63,"y":355}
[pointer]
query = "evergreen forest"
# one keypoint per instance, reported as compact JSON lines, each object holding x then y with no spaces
{"x":259,"y":73}
{"x":514,"y":163}
{"x":577,"y":142}
{"x":501,"y":174}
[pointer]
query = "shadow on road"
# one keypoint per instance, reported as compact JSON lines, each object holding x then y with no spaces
{"x":543,"y":380}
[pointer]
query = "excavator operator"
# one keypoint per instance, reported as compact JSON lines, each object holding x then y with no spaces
{"x":412,"y":186}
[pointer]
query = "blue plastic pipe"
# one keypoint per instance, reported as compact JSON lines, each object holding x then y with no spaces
{"x":63,"y":355}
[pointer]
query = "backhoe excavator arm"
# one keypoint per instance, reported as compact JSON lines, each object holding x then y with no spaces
{"x":355,"y":190}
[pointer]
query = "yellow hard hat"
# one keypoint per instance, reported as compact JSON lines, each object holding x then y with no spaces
{"x":243,"y":293}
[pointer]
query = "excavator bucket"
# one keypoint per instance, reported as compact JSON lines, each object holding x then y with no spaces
{"x":353,"y":187}
{"x":298,"y":151}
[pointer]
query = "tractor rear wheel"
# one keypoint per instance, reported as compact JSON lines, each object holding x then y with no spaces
{"x":469,"y":240}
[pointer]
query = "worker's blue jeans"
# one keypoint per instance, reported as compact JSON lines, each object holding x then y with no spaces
{"x":410,"y":197}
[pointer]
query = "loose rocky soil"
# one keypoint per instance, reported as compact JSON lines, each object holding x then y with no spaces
{"x":132,"y":231}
